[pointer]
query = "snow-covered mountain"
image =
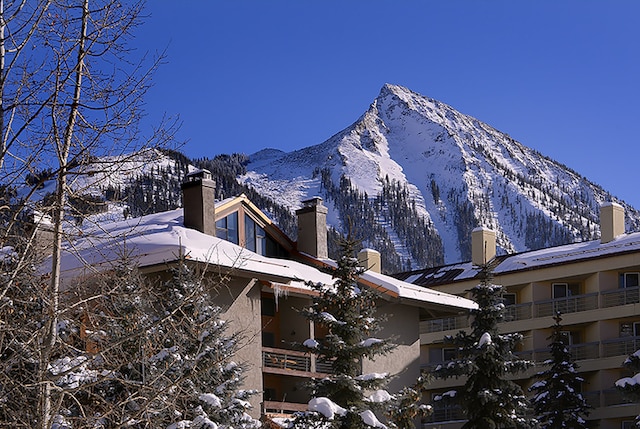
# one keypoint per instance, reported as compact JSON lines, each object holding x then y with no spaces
{"x":455,"y":173}
{"x":412,"y":177}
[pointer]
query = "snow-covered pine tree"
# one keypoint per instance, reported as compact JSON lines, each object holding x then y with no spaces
{"x":488,"y":398}
{"x":558,"y":402}
{"x":630,"y":386}
{"x":156,"y":354}
{"x":347,"y":312}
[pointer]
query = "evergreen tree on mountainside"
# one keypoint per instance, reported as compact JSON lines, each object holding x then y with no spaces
{"x":558,"y":402}
{"x":347,"y":313}
{"x":488,"y":398}
{"x":393,"y":210}
{"x":226,"y":169}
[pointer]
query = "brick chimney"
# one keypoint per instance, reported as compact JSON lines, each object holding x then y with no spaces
{"x":312,"y":228}
{"x":369,"y":259}
{"x":611,"y":221}
{"x":198,"y":200}
{"x":483,"y":245}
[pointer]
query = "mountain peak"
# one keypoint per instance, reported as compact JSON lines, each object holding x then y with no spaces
{"x":455,"y":172}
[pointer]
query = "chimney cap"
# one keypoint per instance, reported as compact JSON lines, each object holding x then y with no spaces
{"x":611,"y":204}
{"x":312,"y":202}
{"x":199,"y":174}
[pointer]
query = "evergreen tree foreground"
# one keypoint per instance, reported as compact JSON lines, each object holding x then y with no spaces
{"x":489,"y":399}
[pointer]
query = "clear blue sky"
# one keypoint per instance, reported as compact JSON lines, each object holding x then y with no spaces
{"x":562,"y":77}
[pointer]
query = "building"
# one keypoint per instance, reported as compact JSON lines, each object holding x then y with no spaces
{"x":596,"y":287}
{"x":267,"y":274}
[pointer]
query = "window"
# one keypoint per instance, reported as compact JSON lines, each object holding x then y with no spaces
{"x":448,"y":354}
{"x":254,"y":236}
{"x":565,"y":290}
{"x":628,"y":424}
{"x":561,"y":290}
{"x":268,"y":306}
{"x":631,"y":279}
{"x":227,"y":228}
{"x":509,"y":299}
{"x":439,"y":355}
{"x":570,"y":338}
{"x":268,"y":339}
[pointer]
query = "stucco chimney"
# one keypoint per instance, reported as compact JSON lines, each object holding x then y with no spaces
{"x":312,"y":228}
{"x":483,"y":245}
{"x":198,"y":200}
{"x":369,"y":259}
{"x":611,"y":221}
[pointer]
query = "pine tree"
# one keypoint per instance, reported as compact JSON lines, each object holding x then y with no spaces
{"x":156,"y":354}
{"x":558,"y":402}
{"x":629,"y":387}
{"x":348,"y":314}
{"x":488,"y":398}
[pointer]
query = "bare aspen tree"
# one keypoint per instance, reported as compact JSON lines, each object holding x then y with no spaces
{"x":69,"y":91}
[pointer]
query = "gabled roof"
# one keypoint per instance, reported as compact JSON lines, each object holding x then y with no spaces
{"x":156,"y":240}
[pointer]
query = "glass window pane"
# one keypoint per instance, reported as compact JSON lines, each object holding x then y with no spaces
{"x":250,"y":233}
{"x":261,"y":245}
{"x":631,"y":279}
{"x":232,"y":227}
{"x":560,"y":290}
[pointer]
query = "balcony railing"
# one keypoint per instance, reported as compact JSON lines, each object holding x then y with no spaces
{"x":570,"y":304}
{"x":623,"y":346}
{"x":518,"y":312}
{"x":578,"y":352}
{"x":281,"y":408}
{"x":445,"y":324}
{"x":293,"y":360}
{"x":443,"y":414}
{"x":285,"y":359}
{"x":614,"y":298}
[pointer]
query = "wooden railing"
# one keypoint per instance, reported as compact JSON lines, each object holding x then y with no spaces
{"x":293,"y":360}
{"x":286,"y":359}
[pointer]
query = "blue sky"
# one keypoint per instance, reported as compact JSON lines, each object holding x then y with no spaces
{"x":561,"y":77}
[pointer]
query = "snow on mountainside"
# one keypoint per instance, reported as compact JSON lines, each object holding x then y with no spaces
{"x":455,"y":172}
{"x":412,"y":177}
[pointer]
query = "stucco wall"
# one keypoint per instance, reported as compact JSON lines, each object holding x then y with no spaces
{"x":402,"y":327}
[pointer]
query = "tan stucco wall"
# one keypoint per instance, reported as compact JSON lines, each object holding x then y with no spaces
{"x":241,"y":299}
{"x":402,"y":328}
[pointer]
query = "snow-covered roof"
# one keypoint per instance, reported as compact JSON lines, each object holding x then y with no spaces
{"x":161,"y":238}
{"x":569,"y":253}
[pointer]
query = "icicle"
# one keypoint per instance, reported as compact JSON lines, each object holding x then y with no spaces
{"x":279,"y":291}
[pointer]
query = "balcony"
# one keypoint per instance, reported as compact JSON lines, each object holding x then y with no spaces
{"x":547,"y":308}
{"x":570,"y":304}
{"x":443,"y":413}
{"x":623,"y":346}
{"x":292,"y":362}
{"x":614,"y":298}
{"x":282,"y":408}
{"x":446,"y":324}
{"x":582,"y":351}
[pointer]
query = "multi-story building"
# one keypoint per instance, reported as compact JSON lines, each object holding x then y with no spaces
{"x":266,"y":284}
{"x":595,"y":285}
